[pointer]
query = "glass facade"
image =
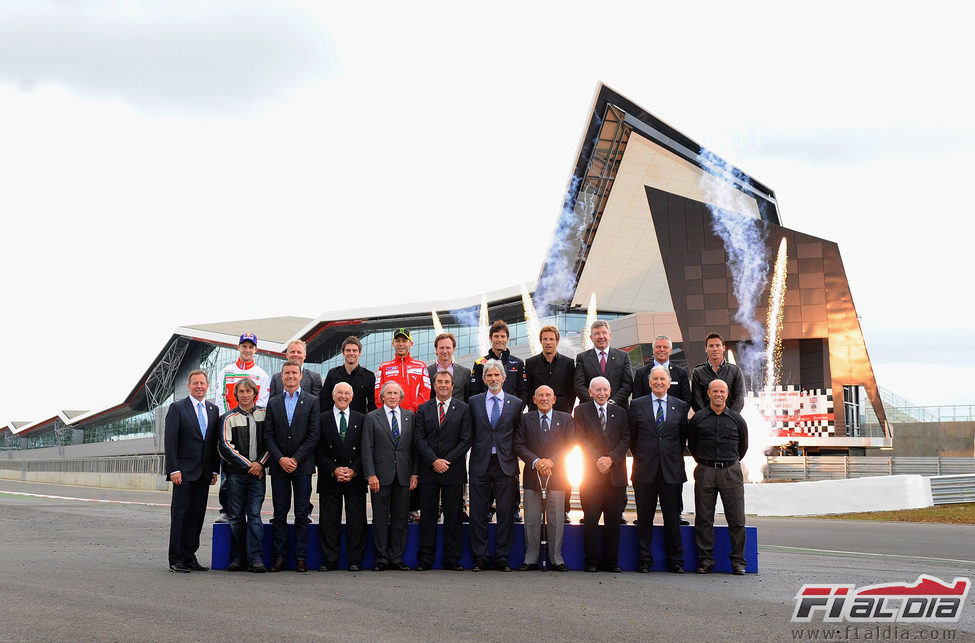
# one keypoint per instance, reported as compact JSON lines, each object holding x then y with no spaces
{"x":141,"y":425}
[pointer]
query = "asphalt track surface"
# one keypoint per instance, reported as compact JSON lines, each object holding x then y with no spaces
{"x":76,"y":569}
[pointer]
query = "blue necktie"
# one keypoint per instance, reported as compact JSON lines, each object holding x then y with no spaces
{"x":395,"y":425}
{"x":544,"y":424}
{"x":660,"y":412}
{"x":495,"y":411}
{"x":201,"y":416}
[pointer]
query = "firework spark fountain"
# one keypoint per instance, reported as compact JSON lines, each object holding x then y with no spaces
{"x":437,"y":326}
{"x":590,"y":318}
{"x":532,"y":325}
{"x":483,"y":326}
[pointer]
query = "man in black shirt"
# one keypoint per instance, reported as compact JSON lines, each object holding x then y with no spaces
{"x":717,"y":367}
{"x":553,"y":369}
{"x":360,"y":378}
{"x":717,"y":437}
{"x":515,"y":382}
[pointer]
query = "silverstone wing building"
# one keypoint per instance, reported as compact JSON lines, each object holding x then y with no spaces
{"x":643,"y":228}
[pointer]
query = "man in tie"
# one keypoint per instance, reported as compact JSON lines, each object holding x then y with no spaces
{"x":658,"y":431}
{"x":604,"y":436}
{"x":360,"y":378}
{"x":443,"y":437}
{"x":680,"y":381}
{"x":717,"y":437}
{"x":543,"y":439}
{"x":191,"y":465}
{"x":340,"y":478}
{"x":391,"y":471}
{"x":493,"y":467}
{"x":445,"y":344}
{"x":310,"y":380}
{"x":717,"y":368}
{"x":291,"y":429}
{"x":603,"y":361}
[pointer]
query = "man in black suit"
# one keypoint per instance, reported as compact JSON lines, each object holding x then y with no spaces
{"x":543,"y":439}
{"x":291,"y":429}
{"x":360,"y":378}
{"x":658,"y":431}
{"x":493,"y":466}
{"x":310,"y":380}
{"x":340,"y":477}
{"x":443,"y":437}
{"x":680,"y":381}
{"x":611,"y":363}
{"x":445,"y":344}
{"x":192,"y":463}
{"x":604,"y":436}
{"x":391,"y":470}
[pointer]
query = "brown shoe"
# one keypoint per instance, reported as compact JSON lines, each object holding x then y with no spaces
{"x":277,"y":566}
{"x":301,"y":566}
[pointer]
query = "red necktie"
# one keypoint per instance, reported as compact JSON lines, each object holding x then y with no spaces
{"x":441,"y":413}
{"x":602,"y":361}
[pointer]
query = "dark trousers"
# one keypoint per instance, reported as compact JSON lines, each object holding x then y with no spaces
{"x":281,"y":488}
{"x":646,"y":494}
{"x":496,"y":484}
{"x":330,"y":526}
{"x":608,"y":501}
{"x":390,"y":514}
{"x":451,"y":497}
{"x":186,"y":519}
{"x":708,"y":483}
{"x":245,"y":497}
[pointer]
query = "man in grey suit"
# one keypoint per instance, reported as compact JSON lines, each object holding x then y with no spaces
{"x":310,"y":380}
{"x":543,"y":439}
{"x":391,"y":470}
{"x":603,"y":361}
{"x":493,"y":467}
{"x":658,"y":431}
{"x":445,"y":344}
{"x":291,"y":427}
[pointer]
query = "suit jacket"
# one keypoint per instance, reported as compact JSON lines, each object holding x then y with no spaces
{"x":450,"y":440}
{"x":334,"y":452}
{"x":680,"y":382}
{"x":618,"y":372}
{"x":299,"y":440}
{"x":462,"y":381}
{"x":658,"y":449}
{"x":310,"y":381}
{"x":595,"y":444}
{"x":531,"y":443}
{"x":560,"y":375}
{"x":502,"y":436}
{"x":187,"y":451}
{"x":381,"y":456}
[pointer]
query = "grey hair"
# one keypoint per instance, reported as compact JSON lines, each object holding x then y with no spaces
{"x":493,"y":364}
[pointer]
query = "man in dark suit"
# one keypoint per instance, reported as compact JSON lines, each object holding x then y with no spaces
{"x":515,"y":382}
{"x":680,"y":380}
{"x":543,"y":439}
{"x":658,"y":431}
{"x":604,"y":436}
{"x":391,"y":470}
{"x":360,"y":378}
{"x":340,"y":478}
{"x":192,"y":463}
{"x":291,"y":429}
{"x":310,"y":380}
{"x":443,"y":437}
{"x":493,"y":466}
{"x":445,"y":344}
{"x":611,"y":363}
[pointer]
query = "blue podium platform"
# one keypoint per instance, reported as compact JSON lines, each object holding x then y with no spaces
{"x":572,"y":547}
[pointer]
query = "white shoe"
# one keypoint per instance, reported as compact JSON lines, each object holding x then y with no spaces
{"x":223,"y":518}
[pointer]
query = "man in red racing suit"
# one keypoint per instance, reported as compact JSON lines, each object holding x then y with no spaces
{"x":409,"y":373}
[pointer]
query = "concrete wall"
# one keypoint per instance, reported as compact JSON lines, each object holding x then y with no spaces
{"x":141,"y":446}
{"x":934,"y":438}
{"x":140,"y":481}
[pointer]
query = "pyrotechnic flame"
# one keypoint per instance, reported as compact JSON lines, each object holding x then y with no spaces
{"x":590,"y":318}
{"x":437,"y":326}
{"x":532,"y":326}
{"x":776,"y":301}
{"x":731,"y":357}
{"x":483,"y":326}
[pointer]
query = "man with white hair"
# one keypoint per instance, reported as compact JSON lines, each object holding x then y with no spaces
{"x":493,"y":467}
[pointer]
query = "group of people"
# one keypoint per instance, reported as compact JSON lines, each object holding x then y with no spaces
{"x":424,"y":432}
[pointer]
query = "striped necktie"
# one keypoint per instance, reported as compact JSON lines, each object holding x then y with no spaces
{"x":395,"y":426}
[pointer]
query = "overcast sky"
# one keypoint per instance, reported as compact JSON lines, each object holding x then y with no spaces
{"x":168,"y":164}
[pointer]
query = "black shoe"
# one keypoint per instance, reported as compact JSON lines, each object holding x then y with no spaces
{"x":454,"y":567}
{"x":561,"y":567}
{"x":592,"y":568}
{"x":643,"y":569}
{"x":179,"y":568}
{"x":196,"y":566}
{"x":481,"y":565}
{"x":402,"y":567}
{"x":421,"y":567}
{"x":235,"y":566}
{"x":623,"y":521}
{"x":257,"y":567}
{"x":703,"y":570}
{"x":526,"y":567}
{"x":503,"y":567}
{"x":738,"y":570}
{"x":567,"y":520}
{"x":676,"y":569}
{"x":684,"y":522}
{"x":328,"y":568}
{"x":518,"y":516}
{"x":355,"y":568}
{"x":379,"y":567}
{"x":613,"y":569}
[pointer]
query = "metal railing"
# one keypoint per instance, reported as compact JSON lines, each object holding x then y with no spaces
{"x":827,"y":467}
{"x":952,"y":489}
{"x":120,"y":464}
